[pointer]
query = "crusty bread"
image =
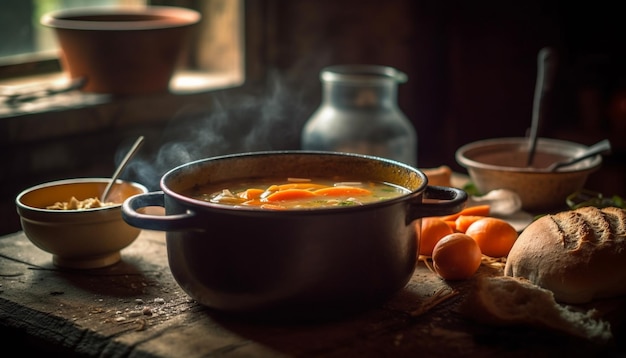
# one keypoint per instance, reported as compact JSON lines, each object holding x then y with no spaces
{"x":507,"y":301}
{"x":579,"y":255}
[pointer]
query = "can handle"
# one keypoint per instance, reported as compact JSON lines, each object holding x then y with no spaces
{"x":449,"y":201}
{"x":178,"y":222}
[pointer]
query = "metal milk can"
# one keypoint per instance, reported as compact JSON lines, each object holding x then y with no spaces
{"x":359,"y":113}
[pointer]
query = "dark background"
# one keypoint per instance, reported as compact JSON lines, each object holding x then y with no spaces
{"x":471,"y":66}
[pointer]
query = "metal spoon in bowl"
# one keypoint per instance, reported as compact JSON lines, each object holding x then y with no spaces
{"x":121,"y":167}
{"x":546,"y":69}
{"x":602,"y":147}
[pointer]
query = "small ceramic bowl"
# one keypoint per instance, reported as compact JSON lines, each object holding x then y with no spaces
{"x":123,"y":50}
{"x":500,"y":163}
{"x":78,"y":238}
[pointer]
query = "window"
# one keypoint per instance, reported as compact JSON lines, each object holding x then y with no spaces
{"x":29,"y":53}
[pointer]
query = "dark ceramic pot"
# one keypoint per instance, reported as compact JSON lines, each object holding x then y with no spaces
{"x":292,"y":262}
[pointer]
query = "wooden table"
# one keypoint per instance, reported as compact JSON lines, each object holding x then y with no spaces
{"x":136,"y":309}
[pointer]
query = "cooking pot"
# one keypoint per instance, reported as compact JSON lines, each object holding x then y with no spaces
{"x":291,"y":263}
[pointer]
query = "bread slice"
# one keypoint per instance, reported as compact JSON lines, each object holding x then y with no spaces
{"x":508,"y":301}
{"x":579,"y":255}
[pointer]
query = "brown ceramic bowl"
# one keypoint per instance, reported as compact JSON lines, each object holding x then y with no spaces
{"x":500,"y":163}
{"x":123,"y":50}
{"x":78,"y":238}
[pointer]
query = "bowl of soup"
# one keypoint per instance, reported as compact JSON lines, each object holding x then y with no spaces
{"x":67,"y":219}
{"x":501,"y":163}
{"x":292,"y":233}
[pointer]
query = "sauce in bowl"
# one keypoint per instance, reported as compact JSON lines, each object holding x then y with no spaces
{"x":518,"y":159}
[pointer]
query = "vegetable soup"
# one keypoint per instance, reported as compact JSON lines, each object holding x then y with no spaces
{"x":297,"y":193}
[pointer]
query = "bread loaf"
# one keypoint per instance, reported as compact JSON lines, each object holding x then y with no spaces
{"x":507,"y":301}
{"x":579,"y":255}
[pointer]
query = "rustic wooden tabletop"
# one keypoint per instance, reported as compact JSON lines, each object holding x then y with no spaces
{"x":136,"y":309}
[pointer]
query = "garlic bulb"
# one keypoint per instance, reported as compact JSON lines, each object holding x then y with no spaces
{"x":502,"y":201}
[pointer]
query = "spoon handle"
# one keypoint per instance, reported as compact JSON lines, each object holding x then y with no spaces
{"x":546,"y":68}
{"x":121,"y":167}
{"x":602,"y":147}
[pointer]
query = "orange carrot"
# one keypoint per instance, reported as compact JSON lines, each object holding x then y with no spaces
{"x":451,"y":224}
{"x":464,"y":221}
{"x":480,"y":210}
{"x":301,"y":186}
{"x":252,"y":193}
{"x":290,"y":194}
{"x":342,"y":191}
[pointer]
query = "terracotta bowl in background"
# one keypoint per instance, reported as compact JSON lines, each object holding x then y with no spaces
{"x":84,"y":238}
{"x":123,"y":50}
{"x":500,"y":163}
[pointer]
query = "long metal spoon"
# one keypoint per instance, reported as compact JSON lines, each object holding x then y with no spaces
{"x":602,"y":147}
{"x":546,"y":68}
{"x":121,"y":167}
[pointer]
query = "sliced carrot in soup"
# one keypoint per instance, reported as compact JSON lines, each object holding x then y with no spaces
{"x":252,"y":193}
{"x":343,"y":191}
{"x":290,"y":194}
{"x":304,"y":186}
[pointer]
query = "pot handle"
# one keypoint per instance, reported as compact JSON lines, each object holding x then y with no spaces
{"x":449,"y":201}
{"x":179,"y":222}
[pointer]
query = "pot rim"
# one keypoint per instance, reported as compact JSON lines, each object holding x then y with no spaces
{"x":551,"y":145}
{"x":205,"y":204}
{"x":156,"y":17}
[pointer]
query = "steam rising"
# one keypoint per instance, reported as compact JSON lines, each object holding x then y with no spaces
{"x":233,"y":123}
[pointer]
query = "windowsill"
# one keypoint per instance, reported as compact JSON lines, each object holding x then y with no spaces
{"x":39,"y":115}
{"x":53,"y":92}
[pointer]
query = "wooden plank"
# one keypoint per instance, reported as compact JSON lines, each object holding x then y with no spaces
{"x":136,"y":309}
